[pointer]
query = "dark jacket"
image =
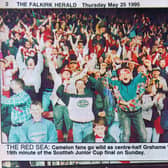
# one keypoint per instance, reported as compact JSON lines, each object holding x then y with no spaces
{"x":164,"y":114}
{"x":91,"y":139}
{"x":89,"y":92}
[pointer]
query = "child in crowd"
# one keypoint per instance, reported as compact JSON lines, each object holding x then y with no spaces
{"x":99,"y":132}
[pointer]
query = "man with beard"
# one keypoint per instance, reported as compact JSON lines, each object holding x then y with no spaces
{"x":128,"y":92}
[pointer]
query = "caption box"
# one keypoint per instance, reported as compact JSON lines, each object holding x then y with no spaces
{"x":76,"y":151}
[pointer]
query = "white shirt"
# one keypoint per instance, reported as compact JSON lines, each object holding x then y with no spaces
{"x":31,"y":77}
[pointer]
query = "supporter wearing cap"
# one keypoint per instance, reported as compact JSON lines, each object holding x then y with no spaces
{"x":128,"y":92}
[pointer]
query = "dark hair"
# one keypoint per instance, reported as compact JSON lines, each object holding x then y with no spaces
{"x":36,"y":102}
{"x":80,"y":41}
{"x":25,"y":41}
{"x":20,"y":82}
{"x":99,"y":121}
{"x":35,"y":59}
{"x":114,"y":47}
{"x":78,"y":81}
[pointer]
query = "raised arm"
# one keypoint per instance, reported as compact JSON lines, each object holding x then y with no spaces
{"x":19,"y":60}
{"x":39,"y":66}
{"x":57,"y":81}
{"x":63,"y":95}
{"x":11,"y":58}
{"x":140,"y":78}
{"x":96,"y":84}
{"x":119,"y":48}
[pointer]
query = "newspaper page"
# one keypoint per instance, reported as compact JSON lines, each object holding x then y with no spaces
{"x":83,"y":82}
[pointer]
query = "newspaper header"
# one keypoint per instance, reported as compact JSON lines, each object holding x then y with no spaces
{"x":83,"y":4}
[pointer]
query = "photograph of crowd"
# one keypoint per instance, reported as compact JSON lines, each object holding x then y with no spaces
{"x":84,"y":75}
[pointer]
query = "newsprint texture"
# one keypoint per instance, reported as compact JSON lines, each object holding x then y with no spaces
{"x":83,"y":83}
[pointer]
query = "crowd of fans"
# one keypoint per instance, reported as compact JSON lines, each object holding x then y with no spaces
{"x":97,"y":77}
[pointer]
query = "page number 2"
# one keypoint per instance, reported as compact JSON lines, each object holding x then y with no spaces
{"x":6,"y":3}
